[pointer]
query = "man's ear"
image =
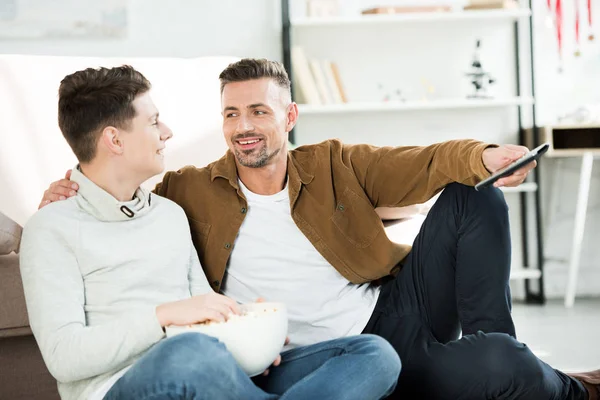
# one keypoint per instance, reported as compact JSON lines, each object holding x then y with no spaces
{"x":292,"y":116}
{"x":112,"y":140}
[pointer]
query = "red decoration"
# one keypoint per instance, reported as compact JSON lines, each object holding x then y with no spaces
{"x":577,"y":26}
{"x":589,"y":10}
{"x":559,"y":25}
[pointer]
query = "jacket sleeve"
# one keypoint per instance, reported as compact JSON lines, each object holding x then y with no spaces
{"x":161,"y":187}
{"x":401,"y":176}
{"x":55,"y":296}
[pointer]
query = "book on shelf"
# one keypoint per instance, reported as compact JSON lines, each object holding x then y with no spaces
{"x":334,"y":82}
{"x":303,"y":78}
{"x":406,"y":9}
{"x":490,"y":4}
{"x":319,"y":75}
{"x":317,"y":81}
{"x":322,"y":8}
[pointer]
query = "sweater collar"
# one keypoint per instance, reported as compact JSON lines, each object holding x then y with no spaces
{"x":104,"y":206}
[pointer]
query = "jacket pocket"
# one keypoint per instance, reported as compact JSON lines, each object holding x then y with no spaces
{"x":199,"y":232}
{"x":355,"y":218}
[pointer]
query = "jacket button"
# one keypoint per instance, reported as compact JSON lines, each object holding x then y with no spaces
{"x":341,"y":207}
{"x":215,"y":283}
{"x":243,"y":210}
{"x":227,"y":245}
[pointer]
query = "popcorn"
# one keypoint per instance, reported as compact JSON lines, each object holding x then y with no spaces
{"x":245,"y":314}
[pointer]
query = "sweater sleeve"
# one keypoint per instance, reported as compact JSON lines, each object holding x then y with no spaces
{"x":401,"y":176}
{"x":198,"y":282}
{"x":55,"y":296}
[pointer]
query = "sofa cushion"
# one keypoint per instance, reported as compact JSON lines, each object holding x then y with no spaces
{"x":13,"y":311}
{"x":10,"y":235}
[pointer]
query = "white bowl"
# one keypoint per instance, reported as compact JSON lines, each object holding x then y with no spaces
{"x":254,"y":339}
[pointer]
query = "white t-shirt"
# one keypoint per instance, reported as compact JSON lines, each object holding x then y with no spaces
{"x":272,"y":258}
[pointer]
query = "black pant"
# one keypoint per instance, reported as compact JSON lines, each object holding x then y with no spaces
{"x":456,"y":280}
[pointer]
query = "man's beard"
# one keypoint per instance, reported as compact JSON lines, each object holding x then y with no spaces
{"x":245,"y":158}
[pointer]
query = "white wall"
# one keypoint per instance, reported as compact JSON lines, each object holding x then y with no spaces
{"x":178,"y":28}
{"x":188,"y":28}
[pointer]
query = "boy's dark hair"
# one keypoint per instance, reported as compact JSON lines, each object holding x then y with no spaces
{"x":253,"y":68}
{"x":92,"y":99}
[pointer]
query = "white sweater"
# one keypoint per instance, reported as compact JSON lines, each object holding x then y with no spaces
{"x":93,"y":277}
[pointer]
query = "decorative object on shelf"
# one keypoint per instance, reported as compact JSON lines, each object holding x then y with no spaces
{"x":588,"y":114}
{"x":489,"y":4}
{"x":322,"y":8}
{"x":406,"y":9}
{"x":479,"y":78}
{"x":395,"y":95}
{"x":429,"y":90}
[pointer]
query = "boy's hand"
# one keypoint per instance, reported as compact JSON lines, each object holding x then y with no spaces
{"x":206,"y":307}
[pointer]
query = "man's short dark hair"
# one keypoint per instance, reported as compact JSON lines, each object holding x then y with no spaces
{"x":92,"y":99}
{"x":254,"y":68}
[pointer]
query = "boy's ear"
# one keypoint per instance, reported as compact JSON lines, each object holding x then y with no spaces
{"x":111,"y":139}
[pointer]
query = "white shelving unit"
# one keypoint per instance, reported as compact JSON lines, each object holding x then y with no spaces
{"x":321,"y":30}
{"x":509,"y":14}
{"x":413,"y":105}
{"x":525,"y":273}
{"x":527,"y":187}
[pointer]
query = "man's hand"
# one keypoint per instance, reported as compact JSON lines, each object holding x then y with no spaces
{"x":495,"y":158}
{"x":206,"y":307}
{"x":59,"y":190}
{"x":277,"y":360}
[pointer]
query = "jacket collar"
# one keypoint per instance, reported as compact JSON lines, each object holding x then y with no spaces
{"x":297,"y":172}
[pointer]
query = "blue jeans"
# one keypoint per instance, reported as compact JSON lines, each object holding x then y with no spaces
{"x":196,"y":366}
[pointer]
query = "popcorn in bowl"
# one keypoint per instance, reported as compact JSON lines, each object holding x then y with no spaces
{"x":245,"y":314}
{"x":254,"y":338}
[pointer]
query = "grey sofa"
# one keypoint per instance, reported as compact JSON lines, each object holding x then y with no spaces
{"x":23,"y":374}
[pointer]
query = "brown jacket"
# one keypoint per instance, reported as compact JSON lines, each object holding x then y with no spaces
{"x":334,"y":190}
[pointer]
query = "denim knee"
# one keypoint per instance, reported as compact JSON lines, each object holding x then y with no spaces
{"x":196,"y":356}
{"x":385,"y":359}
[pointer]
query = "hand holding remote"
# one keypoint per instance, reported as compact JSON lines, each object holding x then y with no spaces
{"x":497,"y":158}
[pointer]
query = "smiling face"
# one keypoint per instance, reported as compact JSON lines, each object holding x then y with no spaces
{"x":257,"y":116}
{"x":144,"y":140}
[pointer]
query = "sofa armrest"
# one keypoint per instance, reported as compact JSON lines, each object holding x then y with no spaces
{"x":15,"y":332}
